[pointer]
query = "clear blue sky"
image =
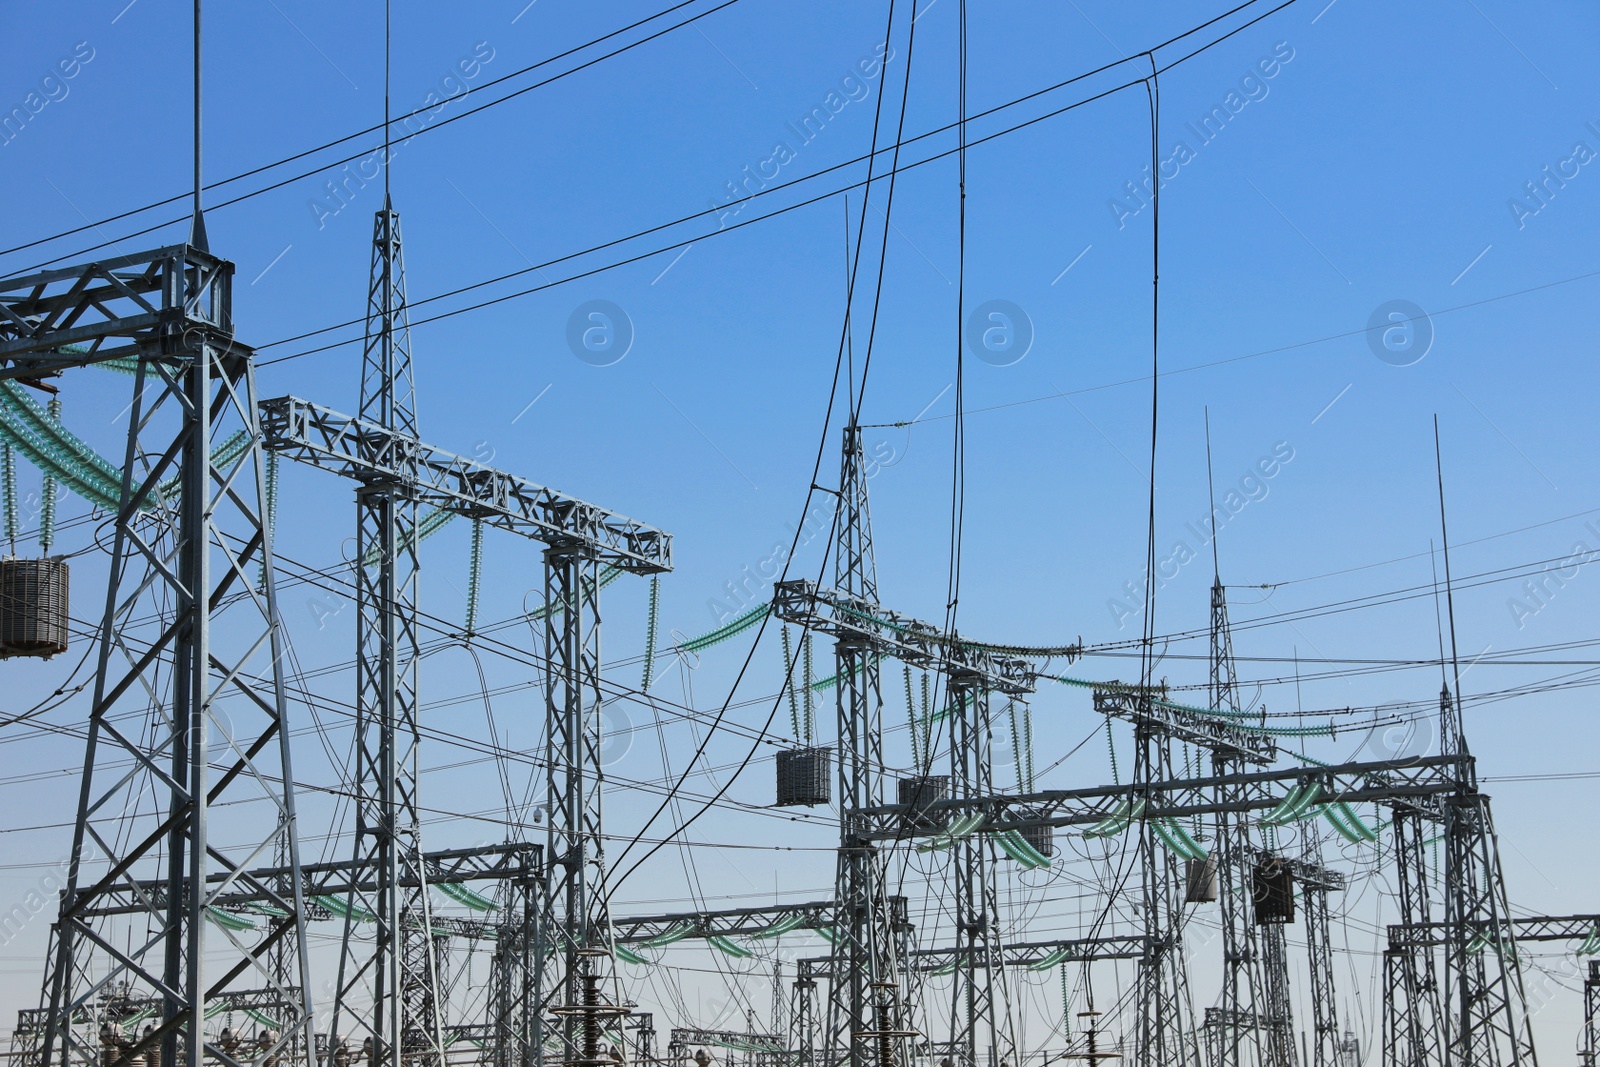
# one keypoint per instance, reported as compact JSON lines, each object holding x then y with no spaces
{"x":1385,"y":158}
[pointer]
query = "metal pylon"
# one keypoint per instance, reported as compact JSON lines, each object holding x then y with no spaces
{"x":866,"y":1008}
{"x":187,"y":779}
{"x":511,"y":976}
{"x":1413,"y":1019}
{"x":573,"y":922}
{"x":388,"y":982}
{"x":1234,"y":1038}
{"x":1589,"y":1046}
{"x":980,"y":1016}
{"x":1484,"y":994}
{"x":1165,"y":1034}
{"x":1319,"y":954}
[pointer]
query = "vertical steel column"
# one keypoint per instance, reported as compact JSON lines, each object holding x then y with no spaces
{"x":804,"y":1014}
{"x":1319,"y":952}
{"x":979,"y":1009}
{"x":1163,"y":1008}
{"x":1414,"y":1020}
{"x":569,"y":920}
{"x":388,"y":990}
{"x":1278,"y":1017}
{"x":1488,"y":1008}
{"x":1234,"y":1034}
{"x":780,"y":1005}
{"x":180,"y":557}
{"x":1590,"y":1046}
{"x":511,"y":974}
{"x":864,"y":993}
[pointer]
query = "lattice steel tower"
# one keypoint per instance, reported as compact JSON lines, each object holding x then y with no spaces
{"x":187,"y":775}
{"x":980,"y":1011}
{"x":865,"y":998}
{"x":388,"y":984}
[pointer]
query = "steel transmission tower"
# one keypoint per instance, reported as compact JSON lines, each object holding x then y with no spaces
{"x":865,"y":1007}
{"x":1164,"y":1010}
{"x":1325,"y":1043}
{"x":187,"y":778}
{"x":1414,"y":1021}
{"x":980,"y":1011}
{"x":1233,"y":1034}
{"x":388,"y":985}
{"x":1484,"y":995}
{"x":1589,"y":1043}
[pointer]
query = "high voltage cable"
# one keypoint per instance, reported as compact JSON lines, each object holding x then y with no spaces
{"x":443,"y":122}
{"x":375,"y":129}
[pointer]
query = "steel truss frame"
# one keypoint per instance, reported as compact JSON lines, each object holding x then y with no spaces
{"x":180,"y":561}
{"x":580,"y":538}
{"x":1420,"y":782}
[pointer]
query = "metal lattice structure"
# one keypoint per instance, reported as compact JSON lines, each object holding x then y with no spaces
{"x":1164,"y":1034}
{"x":1324,"y":1038}
{"x":1590,"y":1042}
{"x":1484,"y":994}
{"x":188,"y":715}
{"x":1237,"y":1029}
{"x":865,"y":1009}
{"x":389,"y":986}
{"x":399,"y":474}
{"x":980,"y":1010}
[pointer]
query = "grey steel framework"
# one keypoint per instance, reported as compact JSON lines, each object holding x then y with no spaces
{"x":1234,"y":1029}
{"x":389,"y":988}
{"x":731,"y":922}
{"x":874,"y":999}
{"x":581,"y":538}
{"x":1422,"y":781}
{"x":1164,"y":1012}
{"x":1315,"y":885}
{"x":980,"y":1010}
{"x":866,"y":1011}
{"x":1488,"y":1009}
{"x":1031,"y":954}
{"x":1016,"y":954}
{"x":570,"y":918}
{"x":1590,"y":1042}
{"x":1251,"y":1025}
{"x":168,"y":776}
{"x":1413,"y":1021}
{"x":1477,"y":1016}
{"x":747,"y":1048}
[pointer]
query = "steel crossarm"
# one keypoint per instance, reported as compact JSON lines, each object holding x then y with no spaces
{"x":1217,"y":735}
{"x":337,"y":878}
{"x":1414,"y":783}
{"x":912,"y":641}
{"x":732,"y":922}
{"x":114,"y":308}
{"x":1411,"y":936}
{"x":369,"y":453}
{"x":1020,"y":954}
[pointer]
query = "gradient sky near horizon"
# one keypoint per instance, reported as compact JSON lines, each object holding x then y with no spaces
{"x":1373,"y":215}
